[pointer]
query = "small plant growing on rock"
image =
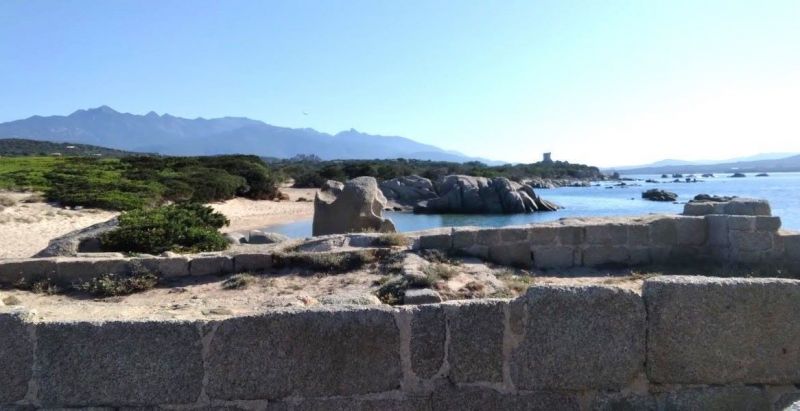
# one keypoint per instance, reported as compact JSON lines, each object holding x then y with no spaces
{"x":43,"y":286}
{"x":439,"y":271}
{"x":238,"y":281}
{"x":392,"y":240}
{"x":6,"y":201}
{"x":112,"y":285}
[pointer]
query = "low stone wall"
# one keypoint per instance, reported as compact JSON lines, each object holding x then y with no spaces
{"x":745,"y":235}
{"x":683,"y":343}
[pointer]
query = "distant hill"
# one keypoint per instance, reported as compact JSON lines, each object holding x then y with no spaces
{"x":23,"y":147}
{"x":672,"y":162}
{"x":170,"y":135}
{"x":791,"y":163}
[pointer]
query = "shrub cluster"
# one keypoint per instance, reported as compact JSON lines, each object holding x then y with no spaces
{"x":183,"y":227}
{"x":311,"y":172}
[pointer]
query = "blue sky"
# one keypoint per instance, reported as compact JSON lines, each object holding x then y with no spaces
{"x":605,"y":83}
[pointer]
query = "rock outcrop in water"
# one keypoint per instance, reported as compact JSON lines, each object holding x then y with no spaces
{"x":659,"y":195}
{"x":459,"y":194}
{"x":354,"y":206}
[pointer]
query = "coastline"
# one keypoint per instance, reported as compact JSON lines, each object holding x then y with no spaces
{"x":27,"y":228}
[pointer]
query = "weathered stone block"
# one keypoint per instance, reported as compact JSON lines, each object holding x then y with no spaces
{"x":580,"y":337}
{"x":569,"y":235}
{"x":139,"y":363}
{"x":664,"y":231}
{"x":476,"y":330}
{"x":791,"y":244}
{"x":718,"y":230}
{"x":481,"y":399}
{"x":639,"y":256}
{"x":621,"y":402}
{"x":72,"y":270}
{"x":427,"y":340}
{"x":542,"y":236}
{"x":517,"y":255}
{"x":464,"y":237}
{"x":553,"y":257}
{"x":214,"y":264}
{"x":436,"y":241}
{"x":607,"y":234}
{"x":704,"y":208}
{"x":256,"y":262}
{"x":718,"y":398}
{"x":722,"y":330}
{"x":480,"y":251}
{"x":488,"y":236}
{"x":601,"y":255}
{"x":639,"y":235}
{"x":741,"y":223}
{"x":12,"y":270}
{"x":660,"y":255}
{"x":765,"y":223}
{"x":690,"y":230}
{"x":307,"y":352}
{"x":165,"y":267}
{"x":751,"y":241}
{"x":421,"y":296}
{"x":16,"y":355}
{"x":514,"y":234}
{"x":747,"y":206}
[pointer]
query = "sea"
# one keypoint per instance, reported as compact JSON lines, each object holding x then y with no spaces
{"x":604,"y":198}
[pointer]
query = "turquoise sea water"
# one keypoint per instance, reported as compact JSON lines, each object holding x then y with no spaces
{"x":781,"y":189}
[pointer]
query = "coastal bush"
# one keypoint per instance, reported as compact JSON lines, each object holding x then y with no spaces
{"x":140,"y":181}
{"x":328,"y":262}
{"x":308,"y":173}
{"x":183,"y":227}
{"x":112,"y":285}
{"x":392,"y":240}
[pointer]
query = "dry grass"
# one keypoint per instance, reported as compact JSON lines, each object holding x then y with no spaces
{"x":393,"y":240}
{"x":439,"y":272}
{"x":6,"y":201}
{"x":515,"y":282}
{"x":238,"y":281}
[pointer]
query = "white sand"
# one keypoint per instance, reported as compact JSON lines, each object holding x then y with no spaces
{"x":247,"y":214}
{"x":26,"y":228}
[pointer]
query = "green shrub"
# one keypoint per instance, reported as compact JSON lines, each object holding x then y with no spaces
{"x":111,"y":285}
{"x":183,"y":227}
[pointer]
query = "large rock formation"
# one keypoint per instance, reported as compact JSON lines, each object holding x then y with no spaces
{"x":408,"y":190}
{"x":85,"y":240}
{"x":351,"y":207}
{"x":481,"y":195}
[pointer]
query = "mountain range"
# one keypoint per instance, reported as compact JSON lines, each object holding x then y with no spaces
{"x":768,"y":162}
{"x":170,"y":135}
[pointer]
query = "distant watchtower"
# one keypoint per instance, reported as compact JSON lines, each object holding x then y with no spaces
{"x":546,"y":158}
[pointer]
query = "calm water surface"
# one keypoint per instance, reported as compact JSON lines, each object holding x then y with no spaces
{"x":781,"y":189}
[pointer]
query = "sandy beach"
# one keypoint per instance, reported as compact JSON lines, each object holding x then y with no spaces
{"x":27,"y":227}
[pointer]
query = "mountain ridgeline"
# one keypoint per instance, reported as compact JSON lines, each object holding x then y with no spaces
{"x":170,"y":135}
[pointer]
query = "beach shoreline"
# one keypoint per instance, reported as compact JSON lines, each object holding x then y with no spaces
{"x":27,"y":227}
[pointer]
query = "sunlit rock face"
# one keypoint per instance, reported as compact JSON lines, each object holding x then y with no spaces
{"x":354,"y":206}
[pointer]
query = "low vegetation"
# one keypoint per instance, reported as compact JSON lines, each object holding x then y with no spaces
{"x":439,"y":272}
{"x":112,"y":285}
{"x":331,"y":263}
{"x":6,"y":201}
{"x":393,"y":240}
{"x":184,"y":227}
{"x":309,"y":171}
{"x":139,"y":181}
{"x":238,"y":281}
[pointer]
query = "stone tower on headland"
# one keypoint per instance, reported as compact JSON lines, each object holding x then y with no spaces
{"x":546,"y":158}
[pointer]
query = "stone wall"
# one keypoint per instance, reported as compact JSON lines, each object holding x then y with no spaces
{"x":683,"y":343}
{"x":740,"y":232}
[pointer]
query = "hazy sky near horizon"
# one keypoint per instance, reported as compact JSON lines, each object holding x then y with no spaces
{"x":604,"y":83}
